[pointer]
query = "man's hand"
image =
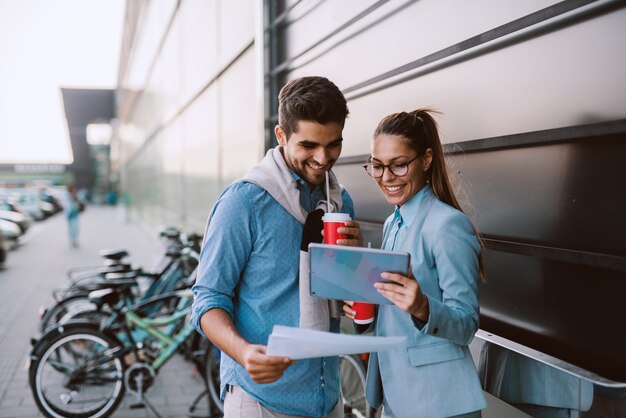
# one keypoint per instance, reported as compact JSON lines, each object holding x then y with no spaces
{"x":220,"y":329}
{"x":352,"y":231}
{"x":347,"y":309}
{"x":261,"y":367}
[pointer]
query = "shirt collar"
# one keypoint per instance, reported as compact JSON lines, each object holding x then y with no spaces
{"x":294,"y":175}
{"x":302,"y":184}
{"x":409,"y":210}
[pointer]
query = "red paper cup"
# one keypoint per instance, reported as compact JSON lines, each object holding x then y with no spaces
{"x":333,"y":221}
{"x":364,"y":313}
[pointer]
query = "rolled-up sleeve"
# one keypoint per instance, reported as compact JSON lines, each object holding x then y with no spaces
{"x":228,"y":242}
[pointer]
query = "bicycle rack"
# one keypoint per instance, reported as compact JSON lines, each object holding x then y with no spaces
{"x":138,"y":391}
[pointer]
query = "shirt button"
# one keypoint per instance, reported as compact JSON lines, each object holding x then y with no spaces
{"x":322,"y":385}
{"x":321,"y":377}
{"x":435,"y":331}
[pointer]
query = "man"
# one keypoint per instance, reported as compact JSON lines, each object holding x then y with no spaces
{"x":248,"y":277}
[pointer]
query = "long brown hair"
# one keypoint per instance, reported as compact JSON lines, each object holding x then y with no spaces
{"x":419,"y":129}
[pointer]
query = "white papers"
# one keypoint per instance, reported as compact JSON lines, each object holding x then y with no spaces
{"x":299,"y":343}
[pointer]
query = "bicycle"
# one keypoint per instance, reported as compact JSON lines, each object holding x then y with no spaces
{"x":352,"y":386}
{"x":83,"y":369}
{"x":84,"y":279}
{"x":178,"y":270}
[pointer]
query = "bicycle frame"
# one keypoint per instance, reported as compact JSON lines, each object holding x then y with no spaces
{"x":169,"y":343}
{"x":133,"y":323}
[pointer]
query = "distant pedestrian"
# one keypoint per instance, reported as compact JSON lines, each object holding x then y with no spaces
{"x":73,"y":206}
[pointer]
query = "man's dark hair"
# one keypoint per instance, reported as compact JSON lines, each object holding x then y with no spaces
{"x":310,"y":98}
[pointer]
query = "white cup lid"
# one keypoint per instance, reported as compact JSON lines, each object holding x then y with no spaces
{"x":336,"y":217}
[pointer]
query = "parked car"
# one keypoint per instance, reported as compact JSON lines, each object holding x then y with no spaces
{"x":41,"y":201}
{"x":22,"y":221}
{"x":49,"y":197}
{"x":12,"y":205}
{"x":3,"y":252}
{"x":26,"y":201}
{"x":10,"y":233}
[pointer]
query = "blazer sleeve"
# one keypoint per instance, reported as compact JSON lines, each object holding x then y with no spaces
{"x":455,"y":250}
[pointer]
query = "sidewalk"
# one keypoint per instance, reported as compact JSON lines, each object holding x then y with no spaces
{"x":37,"y":267}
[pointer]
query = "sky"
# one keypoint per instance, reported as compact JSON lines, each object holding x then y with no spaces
{"x":46,"y":45}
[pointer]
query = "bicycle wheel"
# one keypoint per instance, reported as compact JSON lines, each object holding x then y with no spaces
{"x":77,"y":371}
{"x":65,"y":310}
{"x":352,"y":384}
{"x":212,"y":374}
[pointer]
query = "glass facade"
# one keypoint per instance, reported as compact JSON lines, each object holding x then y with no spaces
{"x":189,"y":113}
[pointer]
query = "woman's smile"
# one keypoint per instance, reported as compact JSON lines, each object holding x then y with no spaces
{"x":393,"y":189}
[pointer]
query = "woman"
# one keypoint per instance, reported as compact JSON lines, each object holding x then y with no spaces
{"x":73,"y":206}
{"x":432,"y":374}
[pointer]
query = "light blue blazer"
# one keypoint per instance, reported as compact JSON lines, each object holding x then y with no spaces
{"x":432,"y":374}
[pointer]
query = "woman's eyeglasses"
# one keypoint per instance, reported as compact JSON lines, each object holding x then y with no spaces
{"x":377,"y":170}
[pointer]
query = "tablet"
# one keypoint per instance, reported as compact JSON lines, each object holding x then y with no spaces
{"x":349,"y":273}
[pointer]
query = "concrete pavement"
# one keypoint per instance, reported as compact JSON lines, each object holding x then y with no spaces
{"x":37,"y":267}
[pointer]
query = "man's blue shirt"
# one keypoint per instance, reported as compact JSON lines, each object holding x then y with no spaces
{"x":249,"y":268}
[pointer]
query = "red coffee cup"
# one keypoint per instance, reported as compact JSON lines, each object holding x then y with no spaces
{"x":364,"y":313}
{"x":333,"y":221}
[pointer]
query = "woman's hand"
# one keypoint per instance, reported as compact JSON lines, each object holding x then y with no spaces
{"x":405,"y":293}
{"x":352,"y":231}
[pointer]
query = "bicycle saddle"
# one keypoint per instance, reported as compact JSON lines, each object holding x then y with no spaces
{"x":113,"y":254}
{"x":116,"y":268}
{"x":121,"y":275}
{"x":104,"y":296}
{"x":169,"y":232}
